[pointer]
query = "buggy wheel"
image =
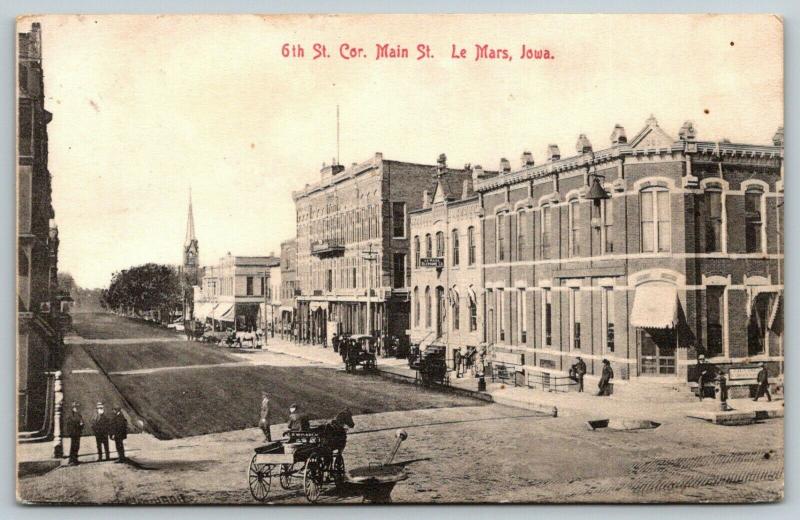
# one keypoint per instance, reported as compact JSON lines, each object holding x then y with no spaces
{"x":312,"y":477}
{"x":259,"y":478}
{"x":337,"y":469}
{"x":285,"y":477}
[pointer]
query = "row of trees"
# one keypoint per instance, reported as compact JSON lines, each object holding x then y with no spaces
{"x":145,"y":288}
{"x":83,"y":299}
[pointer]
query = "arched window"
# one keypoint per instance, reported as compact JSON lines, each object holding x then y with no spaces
{"x":501,"y":237}
{"x":428,"y":246}
{"x":471,"y":245}
{"x":522,"y":233}
{"x":655,"y":220}
{"x":455,"y":309}
{"x":440,"y":244}
{"x":416,"y":251}
{"x":416,"y":306}
{"x":714,"y":220}
{"x":455,"y":244}
{"x":546,"y":229}
{"x":574,"y":228}
{"x":428,"y":307}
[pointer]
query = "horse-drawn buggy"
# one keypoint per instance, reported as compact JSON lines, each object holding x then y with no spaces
{"x":313,"y":456}
{"x":358,"y":350}
{"x":430,"y":365}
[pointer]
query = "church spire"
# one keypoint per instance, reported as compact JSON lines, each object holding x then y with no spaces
{"x":190,"y":224}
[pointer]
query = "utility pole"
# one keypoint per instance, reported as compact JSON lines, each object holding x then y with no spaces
{"x":265,"y":287}
{"x":370,"y":256}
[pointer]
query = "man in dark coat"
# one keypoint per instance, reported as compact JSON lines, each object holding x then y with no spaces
{"x":101,"y":425}
{"x":74,"y":428}
{"x":763,"y":383}
{"x":580,"y":372}
{"x":297,"y":420}
{"x":605,"y":379}
{"x":119,"y":432}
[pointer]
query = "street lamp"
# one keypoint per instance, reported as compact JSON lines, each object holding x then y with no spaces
{"x":370,"y":256}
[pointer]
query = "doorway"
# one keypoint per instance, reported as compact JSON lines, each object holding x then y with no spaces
{"x":657,"y":352}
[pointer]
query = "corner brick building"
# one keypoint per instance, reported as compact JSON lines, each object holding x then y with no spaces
{"x":685,"y":257}
{"x":349,"y":213}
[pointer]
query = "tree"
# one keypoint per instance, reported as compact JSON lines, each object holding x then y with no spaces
{"x":148,"y":287}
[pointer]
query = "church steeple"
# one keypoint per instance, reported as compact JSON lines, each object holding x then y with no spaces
{"x":189,"y":225}
{"x":191,"y":252}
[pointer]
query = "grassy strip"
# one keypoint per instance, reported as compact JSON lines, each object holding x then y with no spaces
{"x":114,"y":358}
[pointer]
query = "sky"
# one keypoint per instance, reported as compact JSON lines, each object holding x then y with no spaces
{"x":145,"y":108}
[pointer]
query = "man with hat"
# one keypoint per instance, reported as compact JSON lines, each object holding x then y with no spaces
{"x":580,"y":372}
{"x":297,"y":421}
{"x":264,"y":422}
{"x":74,"y":428}
{"x":605,"y":379}
{"x":100,"y":427}
{"x":763,"y":383}
{"x":119,"y":432}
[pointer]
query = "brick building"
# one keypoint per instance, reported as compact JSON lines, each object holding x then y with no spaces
{"x":288,"y":285}
{"x":39,"y":317}
{"x":684,"y":257}
{"x":340,"y":219}
{"x":446,"y":264}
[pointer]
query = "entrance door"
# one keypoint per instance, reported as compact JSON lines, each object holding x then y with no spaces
{"x":440,"y":315}
{"x":657,"y":352}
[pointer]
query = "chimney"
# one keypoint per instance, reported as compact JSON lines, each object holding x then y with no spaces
{"x":777,"y":139}
{"x":687,"y":132}
{"x":618,"y":135}
{"x":426,"y":199}
{"x":526,"y":159}
{"x":466,"y":190}
{"x":583,"y":145}
{"x":505,"y":166}
{"x":553,"y":154}
{"x":477,"y":172}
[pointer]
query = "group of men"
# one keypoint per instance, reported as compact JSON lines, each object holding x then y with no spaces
{"x":297,"y":420}
{"x":578,"y":371}
{"x":708,"y":374}
{"x":103,"y":427}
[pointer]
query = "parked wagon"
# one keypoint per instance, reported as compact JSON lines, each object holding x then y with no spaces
{"x":358,"y":350}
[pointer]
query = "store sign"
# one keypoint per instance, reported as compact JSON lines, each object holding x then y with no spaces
{"x":743,"y":373}
{"x":437,"y":262}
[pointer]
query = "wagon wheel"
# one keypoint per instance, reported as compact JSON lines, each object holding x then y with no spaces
{"x":285,"y":477}
{"x":259,"y":477}
{"x":312,"y":477}
{"x":337,"y":469}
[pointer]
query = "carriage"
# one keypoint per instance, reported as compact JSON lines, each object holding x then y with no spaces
{"x":430,"y":365}
{"x":358,"y":350}
{"x":313,"y":456}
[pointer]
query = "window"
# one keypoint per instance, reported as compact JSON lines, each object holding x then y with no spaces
{"x":603,"y":224}
{"x":501,"y":237}
{"x":398,"y":219}
{"x":545,"y":232}
{"x":354,"y":281}
{"x":713,"y":221}
{"x":416,"y":252}
{"x":753,"y":221}
{"x":428,"y":307}
{"x":428,"y":246}
{"x":655,"y":220}
{"x":399,"y":270}
{"x":454,"y":240}
{"x":416,"y":306}
{"x":456,"y":316}
{"x":547,"y":322}
{"x":574,"y":227}
{"x":471,"y":245}
{"x":522,"y":314}
{"x":715,"y":306}
{"x":329,"y":280}
{"x":25,"y":127}
{"x":575,"y":317}
{"x":249,"y":286}
{"x":522,"y":231}
{"x":473,"y":315}
{"x":501,"y":315}
{"x":440,"y":244}
{"x":607,"y":312}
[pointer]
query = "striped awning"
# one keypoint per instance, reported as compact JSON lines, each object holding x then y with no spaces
{"x":655,"y":306}
{"x":203,"y":310}
{"x":225,"y":312}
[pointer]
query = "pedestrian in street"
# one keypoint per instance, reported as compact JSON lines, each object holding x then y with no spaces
{"x":101,"y":425}
{"x":264,"y":422}
{"x":74,"y":429}
{"x":605,"y":379}
{"x":580,"y":372}
{"x":763,"y":383}
{"x":705,"y":376}
{"x":335,"y":341}
{"x":119,"y":432}
{"x":297,"y":420}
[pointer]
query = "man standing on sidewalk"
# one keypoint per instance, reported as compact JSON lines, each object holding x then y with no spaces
{"x":763,"y":383}
{"x":605,"y":379}
{"x":580,"y":372}
{"x":264,"y":422}
{"x":74,"y":429}
{"x":100,"y":428}
{"x":119,"y":432}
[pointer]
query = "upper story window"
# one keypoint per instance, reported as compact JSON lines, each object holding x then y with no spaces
{"x":249,"y":286}
{"x":428,"y":246}
{"x":471,"y":245}
{"x":603,"y":224}
{"x":416,"y":251}
{"x":440,"y":244}
{"x":501,"y":237}
{"x":398,"y":219}
{"x":522,"y":233}
{"x":574,"y":227}
{"x":754,"y":221}
{"x":546,"y":229}
{"x":655,"y":220}
{"x":455,"y":243}
{"x":714,"y":223}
